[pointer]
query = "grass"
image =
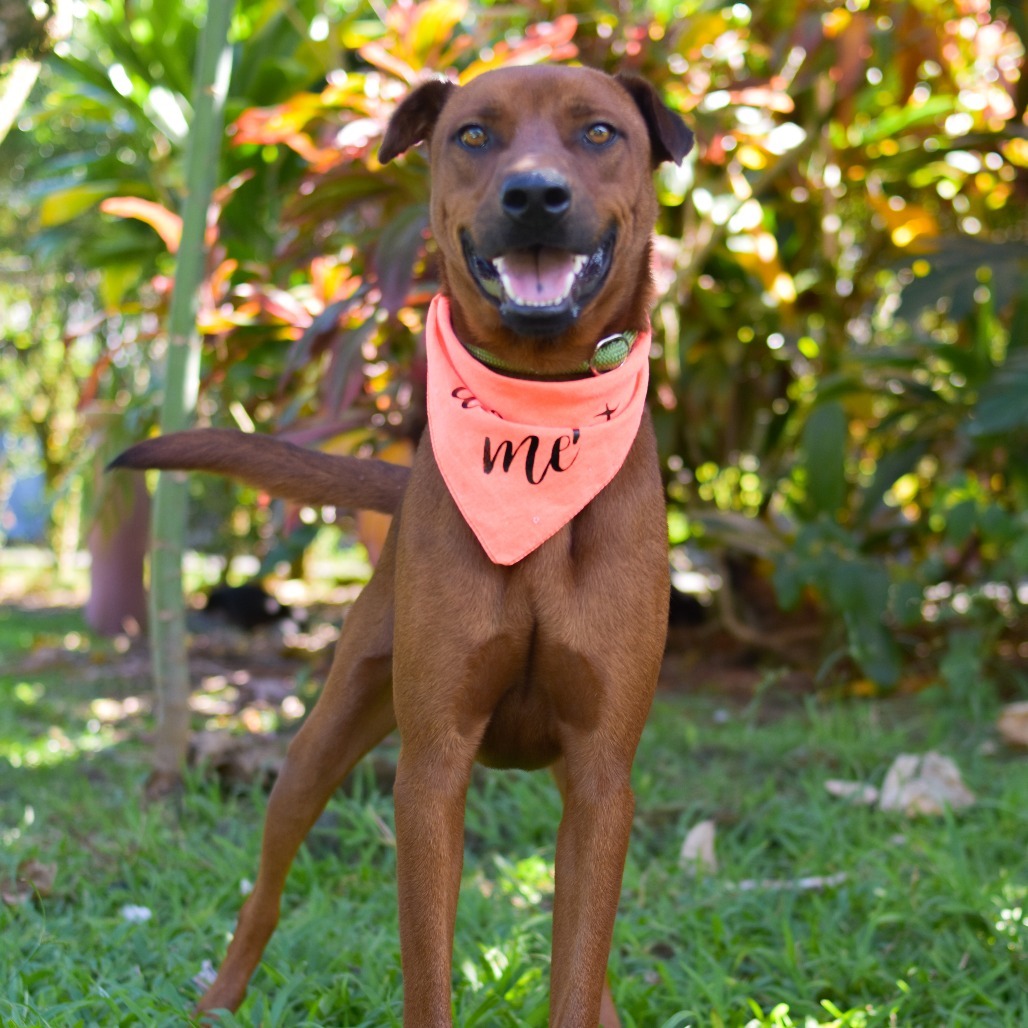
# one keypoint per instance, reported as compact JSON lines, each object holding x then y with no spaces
{"x":929,"y":926}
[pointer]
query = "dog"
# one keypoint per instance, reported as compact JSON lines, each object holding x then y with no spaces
{"x":518,"y":613}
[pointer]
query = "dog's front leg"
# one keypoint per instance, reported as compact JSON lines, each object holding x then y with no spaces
{"x":431,"y":787}
{"x":592,"y":844}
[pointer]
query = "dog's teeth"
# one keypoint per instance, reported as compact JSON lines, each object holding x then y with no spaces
{"x":510,"y":287}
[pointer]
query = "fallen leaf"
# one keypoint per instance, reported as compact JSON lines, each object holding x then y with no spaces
{"x":1013,"y":724}
{"x":14,"y":893}
{"x":698,"y":849}
{"x":924,"y":784}
{"x":858,"y":793}
{"x":808,"y":883}
{"x":40,"y":874}
{"x":33,"y":878}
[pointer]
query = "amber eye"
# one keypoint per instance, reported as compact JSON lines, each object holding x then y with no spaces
{"x":473,"y":137}
{"x":600,"y":134}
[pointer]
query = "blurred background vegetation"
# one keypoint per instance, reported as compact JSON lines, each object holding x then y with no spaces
{"x":841,"y":381}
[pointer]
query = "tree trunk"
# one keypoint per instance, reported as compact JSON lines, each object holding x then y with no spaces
{"x":117,"y":547}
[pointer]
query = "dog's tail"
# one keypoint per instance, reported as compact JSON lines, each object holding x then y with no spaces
{"x":282,"y":469}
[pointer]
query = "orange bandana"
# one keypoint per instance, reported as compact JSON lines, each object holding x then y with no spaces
{"x":522,"y":458}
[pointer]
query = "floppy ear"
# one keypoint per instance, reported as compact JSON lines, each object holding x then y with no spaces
{"x":412,"y":122}
{"x":670,"y":138}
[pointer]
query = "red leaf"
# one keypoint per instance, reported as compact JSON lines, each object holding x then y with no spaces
{"x":545,"y":41}
{"x":167,"y":225}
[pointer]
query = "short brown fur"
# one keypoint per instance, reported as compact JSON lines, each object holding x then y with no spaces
{"x":550,"y":662}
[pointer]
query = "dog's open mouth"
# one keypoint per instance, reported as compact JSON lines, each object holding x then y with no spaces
{"x":540,"y":290}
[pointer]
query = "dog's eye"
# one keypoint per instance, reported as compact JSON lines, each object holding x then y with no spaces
{"x":473,"y":137}
{"x":600,"y":134}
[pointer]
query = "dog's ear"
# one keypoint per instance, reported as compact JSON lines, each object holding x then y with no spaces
{"x":670,"y":137}
{"x":412,"y":122}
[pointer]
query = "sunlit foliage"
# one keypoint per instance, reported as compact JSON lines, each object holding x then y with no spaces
{"x":843,"y":329}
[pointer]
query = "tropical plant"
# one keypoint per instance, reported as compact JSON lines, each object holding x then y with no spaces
{"x":856,"y":164}
{"x":837,"y":393}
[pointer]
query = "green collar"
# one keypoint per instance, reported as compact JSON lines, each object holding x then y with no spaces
{"x":609,"y":354}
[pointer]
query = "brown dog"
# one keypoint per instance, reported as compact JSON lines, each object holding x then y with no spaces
{"x":542,"y":209}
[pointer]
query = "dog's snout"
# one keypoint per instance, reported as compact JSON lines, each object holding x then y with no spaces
{"x":536,"y":197}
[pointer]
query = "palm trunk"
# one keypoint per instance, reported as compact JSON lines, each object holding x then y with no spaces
{"x":182,"y":373}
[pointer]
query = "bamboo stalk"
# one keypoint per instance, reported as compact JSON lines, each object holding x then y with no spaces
{"x":181,"y":381}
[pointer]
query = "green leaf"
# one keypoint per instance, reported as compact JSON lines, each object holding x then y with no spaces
{"x":738,"y":532}
{"x":961,"y":666}
{"x":997,"y":525}
{"x":1019,"y":554}
{"x":824,"y":448}
{"x":892,"y":124}
{"x":62,"y":206}
{"x":336,"y":192}
{"x":960,"y":522}
{"x":788,"y":582}
{"x":860,"y":590}
{"x":891,"y":466}
{"x":953,"y":276}
{"x":1003,"y":401}
{"x":905,"y":601}
{"x":115,"y":282}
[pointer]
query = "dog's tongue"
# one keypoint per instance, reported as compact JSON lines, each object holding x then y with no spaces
{"x":537,"y":278}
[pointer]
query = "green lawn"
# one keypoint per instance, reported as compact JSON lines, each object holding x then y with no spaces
{"x":928,"y":927}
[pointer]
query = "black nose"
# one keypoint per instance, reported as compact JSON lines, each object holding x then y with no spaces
{"x":536,"y":197}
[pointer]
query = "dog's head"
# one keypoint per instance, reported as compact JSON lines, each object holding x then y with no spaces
{"x":542,"y":198}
